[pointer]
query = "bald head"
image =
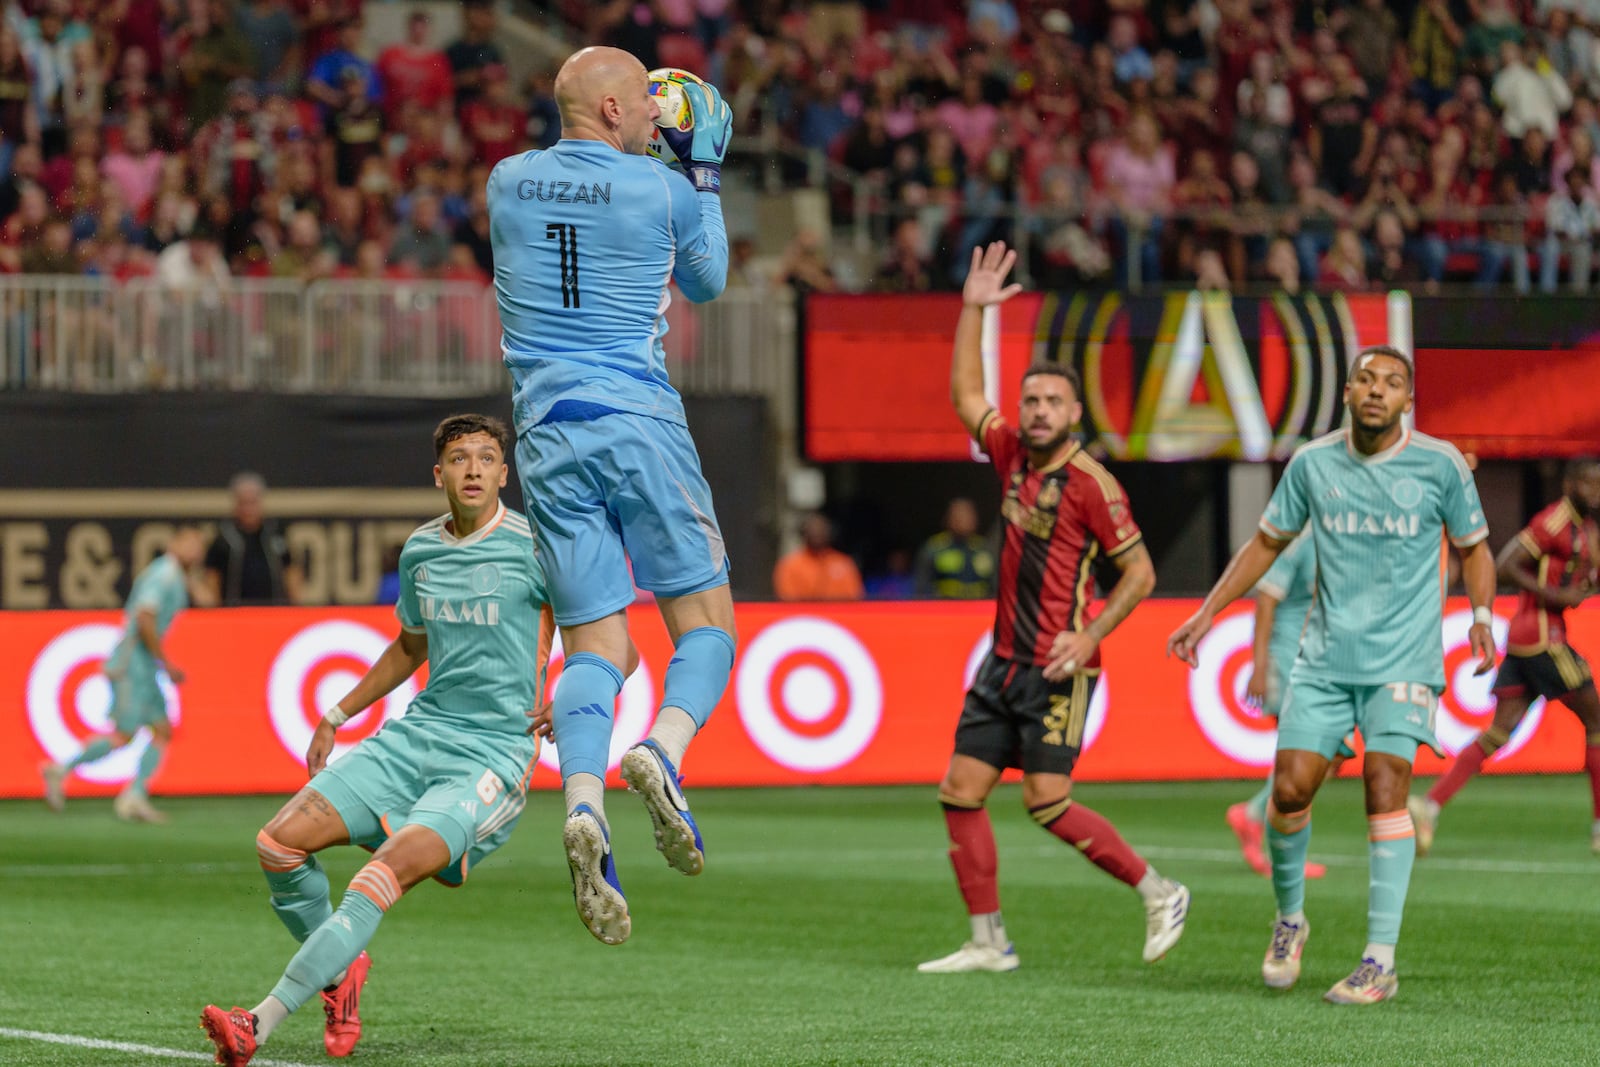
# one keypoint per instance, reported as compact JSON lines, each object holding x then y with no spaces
{"x":604,"y":95}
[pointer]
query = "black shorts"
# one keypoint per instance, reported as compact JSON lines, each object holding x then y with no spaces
{"x":1551,"y":674}
{"x":1013,"y":717}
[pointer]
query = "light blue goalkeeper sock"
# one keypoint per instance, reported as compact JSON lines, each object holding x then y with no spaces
{"x":698,"y":672}
{"x":95,"y":750}
{"x":1288,"y":841}
{"x":1257,"y":805}
{"x":298,"y":884}
{"x":1391,"y":853}
{"x":582,"y":711}
{"x":149,"y":762}
{"x":334,"y":946}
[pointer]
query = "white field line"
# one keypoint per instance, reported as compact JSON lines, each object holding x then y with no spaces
{"x":74,"y":1041}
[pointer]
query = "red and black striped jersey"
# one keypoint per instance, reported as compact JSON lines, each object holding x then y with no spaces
{"x":1566,"y":550}
{"x":1058,"y":521}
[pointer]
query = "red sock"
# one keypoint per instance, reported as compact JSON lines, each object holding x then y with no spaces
{"x":1591,"y":763}
{"x":1468,"y":762}
{"x":973,"y":855}
{"x":1089,"y":832}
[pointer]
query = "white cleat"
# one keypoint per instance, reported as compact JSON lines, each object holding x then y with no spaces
{"x":1164,"y":921}
{"x":973,"y":957}
{"x":135,"y":807}
{"x":55,"y":793}
{"x":652,"y":776}
{"x":1424,"y":817}
{"x":1281,"y":967}
{"x":595,"y":888}
{"x":1369,"y":984}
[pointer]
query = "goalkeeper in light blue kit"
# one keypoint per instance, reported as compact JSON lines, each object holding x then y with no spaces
{"x":1380,"y":498}
{"x":436,"y":791}
{"x":587,"y":235}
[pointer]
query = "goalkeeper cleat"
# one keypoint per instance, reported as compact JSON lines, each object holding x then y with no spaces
{"x":650,"y":774}
{"x":1369,"y":984}
{"x":1164,"y":921}
{"x":973,"y":957}
{"x":1249,"y":832}
{"x":595,"y":889}
{"x":1281,"y":967}
{"x":342,"y":1009}
{"x":232,"y":1031}
{"x":1424,"y":817}
{"x":55,"y":793}
{"x":135,"y":807}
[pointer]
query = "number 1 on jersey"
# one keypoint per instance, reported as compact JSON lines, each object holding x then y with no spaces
{"x":567,"y":235}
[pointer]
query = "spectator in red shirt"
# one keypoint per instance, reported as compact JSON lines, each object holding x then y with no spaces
{"x":494,"y":124}
{"x":415,"y":72}
{"x":232,"y":157}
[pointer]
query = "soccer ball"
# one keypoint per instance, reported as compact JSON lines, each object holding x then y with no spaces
{"x":666,"y":85}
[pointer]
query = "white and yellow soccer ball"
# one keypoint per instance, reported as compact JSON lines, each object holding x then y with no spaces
{"x":666,"y":85}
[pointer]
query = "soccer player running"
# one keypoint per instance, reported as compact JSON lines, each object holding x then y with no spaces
{"x":436,"y":791}
{"x":1030,"y":699}
{"x":1379,"y":498}
{"x":1283,"y":599}
{"x":134,"y":669}
{"x":1555,"y":562}
{"x":587,"y":236}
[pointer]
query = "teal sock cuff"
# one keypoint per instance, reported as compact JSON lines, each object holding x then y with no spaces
{"x":698,"y":673}
{"x":300,"y":897}
{"x":1288,"y":852}
{"x":1390,"y":864}
{"x":1257,"y":805}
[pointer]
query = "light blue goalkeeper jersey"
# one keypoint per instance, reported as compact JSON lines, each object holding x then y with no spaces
{"x":478,"y":599}
{"x":1377,"y":524}
{"x":160,"y":588}
{"x":1292,"y":582}
{"x":585,"y":240}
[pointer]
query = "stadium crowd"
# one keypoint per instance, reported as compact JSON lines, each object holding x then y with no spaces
{"x":1340,"y":143}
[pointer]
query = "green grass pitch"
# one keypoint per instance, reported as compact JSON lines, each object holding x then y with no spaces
{"x":798,"y":944}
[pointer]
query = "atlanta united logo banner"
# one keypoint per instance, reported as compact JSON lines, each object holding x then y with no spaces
{"x":820,"y":694}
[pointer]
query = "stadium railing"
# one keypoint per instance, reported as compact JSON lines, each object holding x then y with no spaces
{"x":418,"y":338}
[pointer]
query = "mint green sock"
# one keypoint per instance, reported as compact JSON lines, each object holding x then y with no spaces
{"x":1390,"y":864}
{"x":149,"y":762}
{"x":95,"y":750}
{"x":1257,"y":805}
{"x":1288,"y":853}
{"x":300,"y":897}
{"x":330,"y":949}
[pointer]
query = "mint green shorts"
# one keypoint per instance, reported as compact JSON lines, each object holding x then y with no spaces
{"x":469,"y":788}
{"x":1394,"y":718}
{"x":136,"y":701}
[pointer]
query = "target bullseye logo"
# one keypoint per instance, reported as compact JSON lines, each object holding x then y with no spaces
{"x":1467,"y":706}
{"x":1216,"y":693}
{"x":635,"y":710}
{"x":1098,"y":703}
{"x":68,"y":697}
{"x":809,"y":694}
{"x":317,"y":667}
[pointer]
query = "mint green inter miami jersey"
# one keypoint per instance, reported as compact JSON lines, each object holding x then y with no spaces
{"x":161,"y":588}
{"x":478,"y":599}
{"x":1377,"y":524}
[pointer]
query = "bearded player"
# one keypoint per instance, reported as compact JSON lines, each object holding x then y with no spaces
{"x":1030,"y":699}
{"x":1379,"y":498}
{"x":1555,"y":562}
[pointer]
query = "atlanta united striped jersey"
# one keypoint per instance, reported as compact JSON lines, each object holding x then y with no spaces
{"x":1565,"y":547}
{"x":1377,"y":524}
{"x":1058,"y":521}
{"x":479,"y":600}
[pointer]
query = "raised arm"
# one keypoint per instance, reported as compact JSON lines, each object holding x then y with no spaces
{"x":985,"y":286}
